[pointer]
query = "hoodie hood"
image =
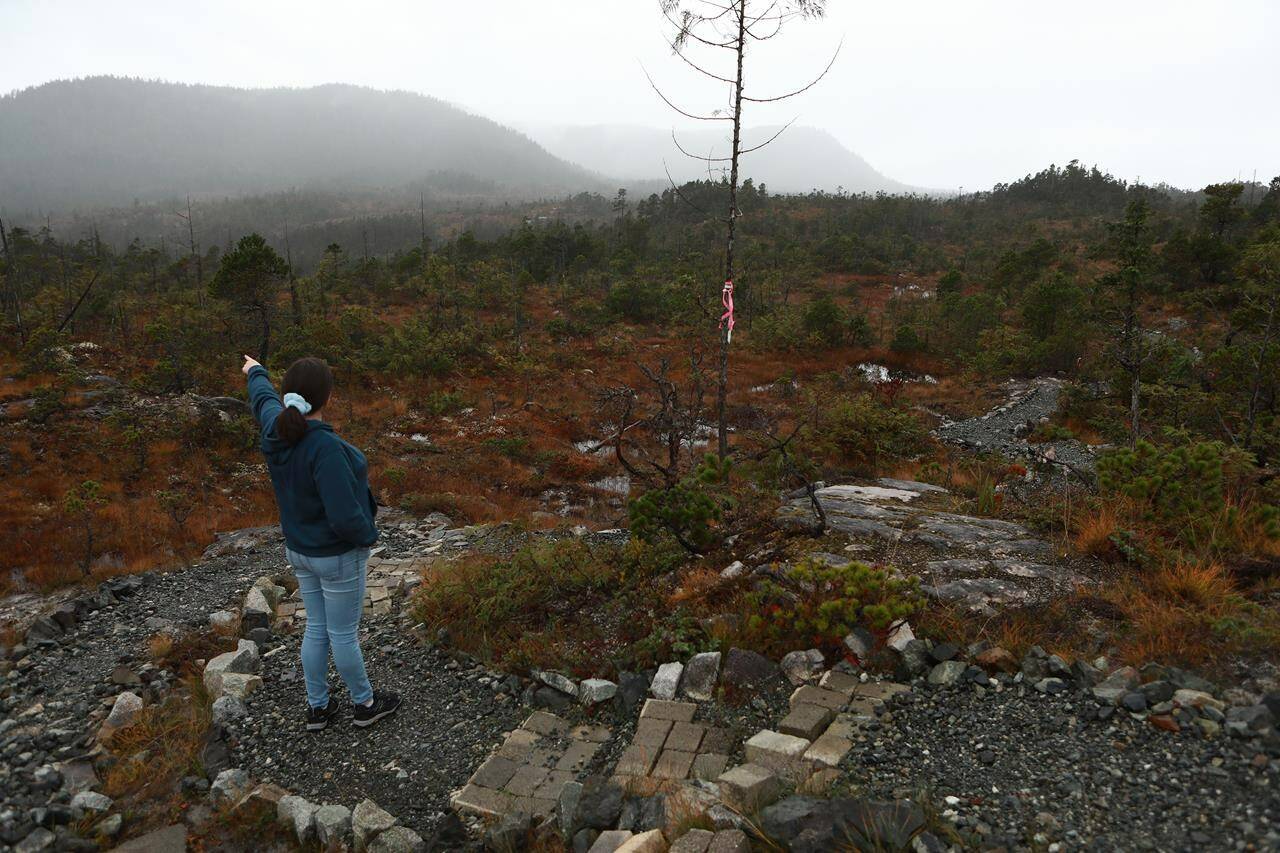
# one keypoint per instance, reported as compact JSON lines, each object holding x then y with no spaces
{"x":278,"y":451}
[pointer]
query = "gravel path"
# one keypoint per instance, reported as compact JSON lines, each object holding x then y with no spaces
{"x":453,"y":715}
{"x":1019,"y":767}
{"x":1004,"y":428}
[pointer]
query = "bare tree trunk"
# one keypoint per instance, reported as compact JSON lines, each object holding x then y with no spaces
{"x":294,"y":301}
{"x":266,"y":334}
{"x":722,"y":383}
{"x":1258,"y":367}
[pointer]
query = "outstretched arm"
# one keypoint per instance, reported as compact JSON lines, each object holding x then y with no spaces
{"x":263,"y":399}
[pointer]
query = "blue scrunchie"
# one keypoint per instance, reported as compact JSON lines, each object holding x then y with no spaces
{"x":298,"y":402}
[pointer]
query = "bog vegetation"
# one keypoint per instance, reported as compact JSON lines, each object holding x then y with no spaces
{"x":555,"y":371}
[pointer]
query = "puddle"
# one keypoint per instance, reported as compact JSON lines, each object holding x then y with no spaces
{"x":878,"y":374}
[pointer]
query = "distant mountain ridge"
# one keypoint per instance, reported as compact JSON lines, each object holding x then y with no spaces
{"x":800,"y":160}
{"x":111,"y":140}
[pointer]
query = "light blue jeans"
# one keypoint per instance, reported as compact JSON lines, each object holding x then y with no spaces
{"x":333,"y":593}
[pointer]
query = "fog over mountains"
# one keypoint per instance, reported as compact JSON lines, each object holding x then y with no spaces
{"x":799,"y":160}
{"x":108,"y":141}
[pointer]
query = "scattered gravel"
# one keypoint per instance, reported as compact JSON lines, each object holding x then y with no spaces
{"x":1017,"y":766}
{"x":452,"y":715}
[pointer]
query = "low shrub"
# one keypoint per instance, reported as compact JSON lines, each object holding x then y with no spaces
{"x":548,"y":601}
{"x":1195,"y":496}
{"x":866,"y":434}
{"x":687,"y":511}
{"x":820,"y":604}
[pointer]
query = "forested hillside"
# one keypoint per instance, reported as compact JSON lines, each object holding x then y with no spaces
{"x":111,"y":141}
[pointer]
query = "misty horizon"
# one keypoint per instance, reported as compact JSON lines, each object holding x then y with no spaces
{"x":1020,"y":90}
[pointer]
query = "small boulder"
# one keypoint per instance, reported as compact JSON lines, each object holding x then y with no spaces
{"x":368,"y":820}
{"x":593,"y":691}
{"x":333,"y":825}
{"x":700,"y":676}
{"x":239,"y":685}
{"x":803,"y":667}
{"x":861,"y":643}
{"x":398,"y":839}
{"x":229,"y":785}
{"x":948,"y":672}
{"x":89,"y":803}
{"x":900,"y":636}
{"x":124,"y":711}
{"x":228,"y":708}
{"x":557,"y":681}
{"x":742,"y":669}
{"x":295,"y":812}
{"x":667,"y":680}
{"x":996,"y":659}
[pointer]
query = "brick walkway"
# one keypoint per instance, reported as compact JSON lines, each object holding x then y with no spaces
{"x":531,"y":767}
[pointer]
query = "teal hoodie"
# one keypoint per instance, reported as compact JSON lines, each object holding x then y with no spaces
{"x":321,"y":483}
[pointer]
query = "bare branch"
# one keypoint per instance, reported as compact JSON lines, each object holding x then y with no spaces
{"x":693,"y":156}
{"x":698,"y":68}
{"x":770,"y":139}
{"x":685,"y":32}
{"x":811,"y":84}
{"x":679,"y":193}
{"x":677,"y":109}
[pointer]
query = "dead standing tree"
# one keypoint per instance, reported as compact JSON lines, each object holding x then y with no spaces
{"x":730,"y":25}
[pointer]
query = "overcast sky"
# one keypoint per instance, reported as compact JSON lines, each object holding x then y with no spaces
{"x":934,"y":93}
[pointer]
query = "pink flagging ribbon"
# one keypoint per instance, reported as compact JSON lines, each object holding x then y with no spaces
{"x":726,"y":299}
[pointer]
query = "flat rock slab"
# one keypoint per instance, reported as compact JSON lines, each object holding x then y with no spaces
{"x":986,"y":564}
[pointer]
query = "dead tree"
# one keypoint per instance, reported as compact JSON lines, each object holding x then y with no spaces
{"x":657,"y":426}
{"x":729,"y":26}
{"x":195,"y":252}
{"x":791,"y":468}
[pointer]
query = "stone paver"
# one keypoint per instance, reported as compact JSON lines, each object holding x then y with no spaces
{"x":526,"y":780}
{"x":652,"y":732}
{"x":637,"y":760}
{"x":685,"y":736}
{"x":881,"y":690}
{"x":677,"y":712}
{"x":828,"y":749}
{"x":495,"y":772}
{"x":749,"y":787}
{"x":673,"y":764}
{"x":808,"y":694}
{"x":840,"y":682}
{"x":485,"y":802}
{"x":783,"y":754}
{"x":806,"y":721}
{"x":708,"y":766}
{"x":528,"y":771}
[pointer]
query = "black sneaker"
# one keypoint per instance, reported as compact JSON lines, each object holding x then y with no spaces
{"x":318,"y":718}
{"x":384,"y":704}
